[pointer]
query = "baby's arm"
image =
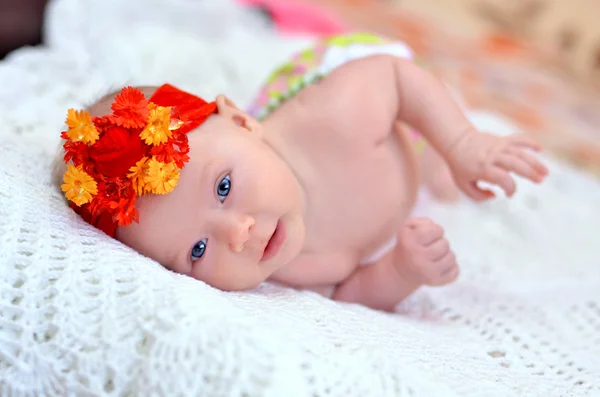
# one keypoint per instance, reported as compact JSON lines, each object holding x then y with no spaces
{"x":396,"y":90}
{"x":426,"y":105}
{"x":422,"y":257}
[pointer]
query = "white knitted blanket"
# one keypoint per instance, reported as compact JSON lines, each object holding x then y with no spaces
{"x":82,"y":315}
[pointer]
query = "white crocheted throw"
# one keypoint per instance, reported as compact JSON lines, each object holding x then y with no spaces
{"x":82,"y":315}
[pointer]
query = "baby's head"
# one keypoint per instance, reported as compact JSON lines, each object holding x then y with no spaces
{"x":228,"y":212}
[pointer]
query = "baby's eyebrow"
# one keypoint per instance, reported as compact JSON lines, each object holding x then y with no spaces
{"x":208,"y":170}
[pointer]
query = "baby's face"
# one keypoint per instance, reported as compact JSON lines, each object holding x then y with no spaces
{"x":235,"y":216}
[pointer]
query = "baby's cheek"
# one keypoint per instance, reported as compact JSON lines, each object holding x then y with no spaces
{"x":203,"y":271}
{"x":229,"y":273}
{"x":214,"y":270}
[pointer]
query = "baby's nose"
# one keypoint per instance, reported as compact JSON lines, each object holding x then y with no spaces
{"x":239,"y":232}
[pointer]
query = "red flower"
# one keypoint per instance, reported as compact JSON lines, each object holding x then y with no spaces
{"x":174,"y":150}
{"x":77,"y":152}
{"x":130,"y":109}
{"x":115,"y":202}
{"x":117,"y":150}
{"x":110,"y":189}
{"x":102,"y":123}
{"x":119,"y":147}
{"x":101,"y":201}
{"x":181,"y":141}
{"x":124,"y":211}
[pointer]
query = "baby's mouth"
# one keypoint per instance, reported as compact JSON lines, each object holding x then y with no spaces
{"x":275,"y":242}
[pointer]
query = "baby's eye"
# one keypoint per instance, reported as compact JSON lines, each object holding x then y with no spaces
{"x":224,"y":188}
{"x":198,"y":250}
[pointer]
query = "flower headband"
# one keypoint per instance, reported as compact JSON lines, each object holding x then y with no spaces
{"x":138,"y":149}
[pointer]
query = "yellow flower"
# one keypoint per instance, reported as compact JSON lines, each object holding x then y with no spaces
{"x":79,"y":187}
{"x":157,"y":130}
{"x":137,"y":175}
{"x":161,"y":178}
{"x":81,"y":127}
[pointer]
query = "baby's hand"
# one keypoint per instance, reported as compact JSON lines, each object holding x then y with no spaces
{"x":424,"y":254}
{"x":485,"y":157}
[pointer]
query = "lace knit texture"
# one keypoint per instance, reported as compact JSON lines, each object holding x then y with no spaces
{"x":80,"y":314}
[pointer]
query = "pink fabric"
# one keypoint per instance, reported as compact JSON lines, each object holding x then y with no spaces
{"x":295,"y":17}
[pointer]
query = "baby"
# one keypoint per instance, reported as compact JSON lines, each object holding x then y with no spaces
{"x":312,"y":188}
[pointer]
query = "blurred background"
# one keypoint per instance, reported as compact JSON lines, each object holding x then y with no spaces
{"x":534,"y":61}
{"x":20,"y":23}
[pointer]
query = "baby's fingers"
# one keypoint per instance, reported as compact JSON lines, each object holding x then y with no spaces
{"x":449,"y":270}
{"x":501,"y":178}
{"x":531,"y":160}
{"x":512,"y":163}
{"x":476,"y":193}
{"x":525,"y":142}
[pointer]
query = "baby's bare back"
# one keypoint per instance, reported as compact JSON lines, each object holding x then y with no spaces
{"x":359,"y":170}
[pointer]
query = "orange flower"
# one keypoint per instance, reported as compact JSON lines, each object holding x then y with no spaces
{"x":130,"y":109}
{"x":137,"y":174}
{"x":79,"y":187}
{"x":175,"y":150}
{"x":161,"y":178}
{"x":157,"y":131}
{"x":125,"y":212}
{"x":81,"y":128}
{"x":139,"y":148}
{"x":77,"y":152}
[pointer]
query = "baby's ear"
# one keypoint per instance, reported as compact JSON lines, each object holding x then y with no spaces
{"x":224,"y":104}
{"x":228,"y":109}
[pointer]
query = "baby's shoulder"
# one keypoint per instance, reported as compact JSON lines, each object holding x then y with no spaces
{"x":352,"y":100}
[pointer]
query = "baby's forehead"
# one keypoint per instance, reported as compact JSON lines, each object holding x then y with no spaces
{"x":102,"y":106}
